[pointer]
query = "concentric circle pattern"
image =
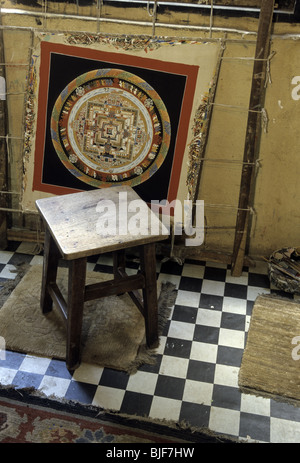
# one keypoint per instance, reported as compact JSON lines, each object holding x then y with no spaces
{"x":110,"y":126}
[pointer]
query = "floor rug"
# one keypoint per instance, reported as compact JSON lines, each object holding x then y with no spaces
{"x":113,"y":332}
{"x":271,"y":363}
{"x":30,"y":418}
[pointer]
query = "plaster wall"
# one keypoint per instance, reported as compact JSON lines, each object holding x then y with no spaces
{"x":276,"y":217}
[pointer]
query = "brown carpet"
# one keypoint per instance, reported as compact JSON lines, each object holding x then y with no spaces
{"x":113,"y":329}
{"x":21,"y":423}
{"x":30,"y":417}
{"x":270,"y":365}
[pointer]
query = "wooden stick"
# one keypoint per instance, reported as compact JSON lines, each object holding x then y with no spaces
{"x":252,"y":136}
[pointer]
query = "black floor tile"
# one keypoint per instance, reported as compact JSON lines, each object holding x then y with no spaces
{"x":57,"y":368}
{"x":178,"y":348}
{"x":257,"y":279}
{"x":214,"y":273}
{"x":209,"y":334}
{"x":168,"y":386}
{"x":195,"y":414}
{"x":201,"y":371}
{"x":153,"y":367}
{"x":235,"y":290}
{"x":190,"y":284}
{"x":12,"y":360}
{"x":233,"y":321}
{"x":12,"y":246}
{"x":229,"y":356}
{"x":103,"y":268}
{"x":171,"y":267}
{"x":114,"y":378}
{"x":136,"y":403}
{"x":24,"y":379}
{"x":250,"y":305}
{"x":226,"y":397}
{"x":18,"y":259}
{"x":81,"y":392}
{"x":256,"y":429}
{"x":285,"y":411}
{"x":210,"y":301}
{"x":185,"y":314}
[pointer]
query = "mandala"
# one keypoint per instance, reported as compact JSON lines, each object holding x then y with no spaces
{"x":110,"y":126}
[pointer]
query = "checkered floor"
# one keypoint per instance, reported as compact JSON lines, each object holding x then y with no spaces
{"x":196,"y":375}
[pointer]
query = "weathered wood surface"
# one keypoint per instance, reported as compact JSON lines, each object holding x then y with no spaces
{"x":3,"y":152}
{"x":82,"y":225}
{"x":252,"y":135}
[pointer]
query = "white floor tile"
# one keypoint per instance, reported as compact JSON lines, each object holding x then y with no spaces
{"x":174,"y":366}
{"x":226,"y":375}
{"x":204,"y":352}
{"x":260,"y":267}
{"x":234,"y":305}
{"x":105,"y":260}
{"x":87,"y":373}
{"x":257,"y":405}
{"x":209,"y":317}
{"x":254,"y":291}
{"x":54,"y":386}
{"x":90,"y":266}
{"x":7,"y":375}
{"x":181,"y":330}
{"x":162,"y":344}
{"x":5,"y":256}
{"x":225,"y":421}
{"x":108,"y":398}
{"x":193,"y":270}
{"x":213,"y":287}
{"x":216,"y":265}
{"x":188,"y":298}
{"x":164,"y":408}
{"x":8,"y":272}
{"x":247,"y":323}
{"x":231,"y":338}
{"x":142,"y":382}
{"x":198,"y":392}
{"x":37,"y":260}
{"x":163,"y":277}
{"x":34,"y":364}
{"x":241,"y":280}
{"x":284,"y":431}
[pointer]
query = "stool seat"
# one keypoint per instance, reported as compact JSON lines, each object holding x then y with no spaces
{"x":72,"y":221}
{"x":84,"y":224}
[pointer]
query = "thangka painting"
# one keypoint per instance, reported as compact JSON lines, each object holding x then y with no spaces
{"x":105,"y":111}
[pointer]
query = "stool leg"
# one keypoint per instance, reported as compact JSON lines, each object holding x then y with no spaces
{"x":148,"y":269}
{"x":50,"y":264}
{"x":76,"y":288}
{"x":119,"y":262}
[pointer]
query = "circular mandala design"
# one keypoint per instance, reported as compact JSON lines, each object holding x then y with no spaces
{"x":110,"y":126}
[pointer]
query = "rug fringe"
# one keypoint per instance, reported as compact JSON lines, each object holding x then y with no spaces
{"x":165,"y":427}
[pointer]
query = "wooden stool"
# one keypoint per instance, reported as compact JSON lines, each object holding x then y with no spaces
{"x":74,"y":230}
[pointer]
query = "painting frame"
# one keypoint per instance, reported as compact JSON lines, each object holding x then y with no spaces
{"x":192,"y":62}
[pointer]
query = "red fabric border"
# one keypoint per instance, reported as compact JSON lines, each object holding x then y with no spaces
{"x":190,"y":71}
